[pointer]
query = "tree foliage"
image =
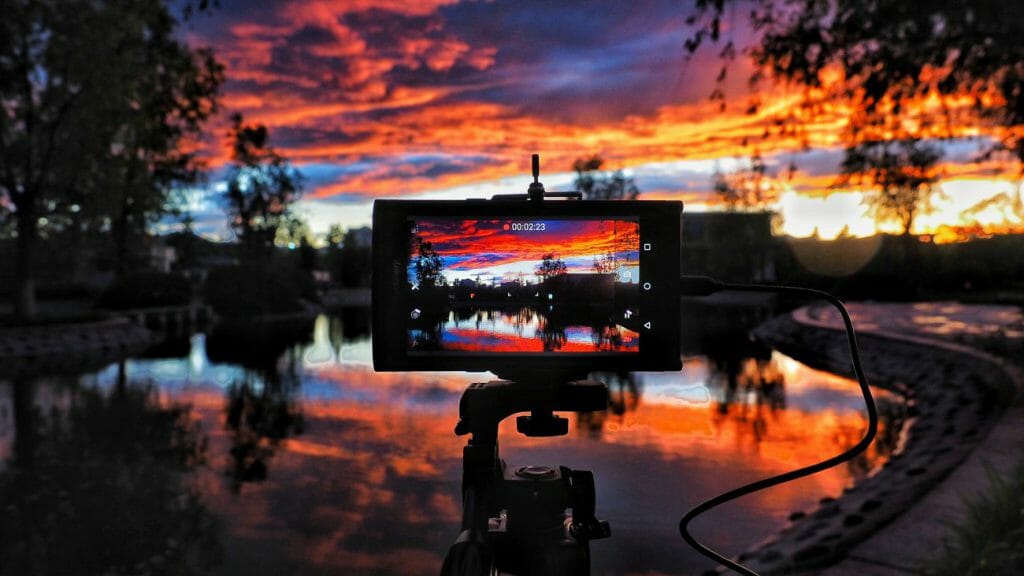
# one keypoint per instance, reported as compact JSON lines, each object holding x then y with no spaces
{"x":903,"y":72}
{"x":429,"y":266}
{"x":261,"y":187}
{"x":749,"y":187}
{"x":904,"y":69}
{"x":605,"y":264}
{"x":293,"y":231}
{"x":596,"y":184}
{"x":335,"y":236}
{"x":100,"y":99}
{"x":550,"y":268}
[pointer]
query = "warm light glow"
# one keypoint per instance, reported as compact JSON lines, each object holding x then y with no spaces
{"x":826,"y":216}
{"x":378,"y":98}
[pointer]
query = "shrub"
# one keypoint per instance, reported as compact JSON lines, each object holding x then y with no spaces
{"x":146,"y":290}
{"x":238,"y":291}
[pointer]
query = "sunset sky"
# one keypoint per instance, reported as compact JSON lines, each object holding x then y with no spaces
{"x":448,"y":99}
{"x":498,"y":251}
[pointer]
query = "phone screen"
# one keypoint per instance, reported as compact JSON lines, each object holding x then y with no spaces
{"x":522,"y":285}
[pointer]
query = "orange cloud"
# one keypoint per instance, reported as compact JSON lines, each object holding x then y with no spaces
{"x":381,"y":84}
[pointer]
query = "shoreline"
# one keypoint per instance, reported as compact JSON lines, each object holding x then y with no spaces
{"x":30,"y":351}
{"x":954,"y":395}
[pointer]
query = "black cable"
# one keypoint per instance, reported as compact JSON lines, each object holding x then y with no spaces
{"x":704,"y":286}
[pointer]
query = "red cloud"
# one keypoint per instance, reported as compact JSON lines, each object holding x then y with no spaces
{"x":487,"y":243}
{"x":380,"y":95}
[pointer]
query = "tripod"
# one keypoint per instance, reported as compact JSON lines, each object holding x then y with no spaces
{"x":514,"y":519}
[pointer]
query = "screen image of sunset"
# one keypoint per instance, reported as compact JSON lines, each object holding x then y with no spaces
{"x":523,"y":285}
{"x":498,"y":251}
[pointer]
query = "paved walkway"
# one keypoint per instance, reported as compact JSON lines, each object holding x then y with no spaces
{"x":942,"y":321}
{"x":915,"y":536}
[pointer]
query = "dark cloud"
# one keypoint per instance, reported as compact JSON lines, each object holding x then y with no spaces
{"x":300,"y":136}
{"x":581,"y":62}
{"x":435,"y":166}
{"x":574,"y":62}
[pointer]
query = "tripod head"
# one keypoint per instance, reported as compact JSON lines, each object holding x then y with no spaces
{"x":514,"y":518}
{"x":484,"y":405}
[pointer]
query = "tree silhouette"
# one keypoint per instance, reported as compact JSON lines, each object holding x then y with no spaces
{"x":552,"y":336}
{"x":262,"y":185}
{"x":903,"y":69}
{"x":99,"y":98}
{"x":550,"y":268}
{"x":261,"y":412}
{"x":429,"y":266}
{"x":292,"y":231}
{"x":903,"y":174}
{"x":598,"y":185}
{"x":748,"y":187}
{"x":335,"y":235}
{"x":605,"y":264}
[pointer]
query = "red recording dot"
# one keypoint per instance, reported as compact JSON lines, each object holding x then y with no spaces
{"x":507,"y":226}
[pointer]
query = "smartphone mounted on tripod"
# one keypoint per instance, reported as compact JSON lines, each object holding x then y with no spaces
{"x":541,"y":289}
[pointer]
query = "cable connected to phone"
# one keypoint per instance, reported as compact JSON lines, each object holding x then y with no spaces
{"x":705,"y":286}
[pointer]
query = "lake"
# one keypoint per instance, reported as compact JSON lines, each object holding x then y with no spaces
{"x":283,"y":452}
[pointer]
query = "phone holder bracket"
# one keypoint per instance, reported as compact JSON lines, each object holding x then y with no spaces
{"x":536,"y":193}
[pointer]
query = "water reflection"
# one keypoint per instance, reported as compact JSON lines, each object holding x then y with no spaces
{"x":102,"y":483}
{"x":262,"y":405}
{"x":749,"y":390}
{"x":332,"y":468}
{"x":744,"y":396}
{"x":551,"y":328}
{"x":262,"y":410}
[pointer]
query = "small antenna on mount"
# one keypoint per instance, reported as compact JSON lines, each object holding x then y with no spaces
{"x":536,"y":190}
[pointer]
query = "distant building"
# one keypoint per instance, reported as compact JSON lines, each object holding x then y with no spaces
{"x":730,"y":246}
{"x":360,"y":237}
{"x":162,"y":257}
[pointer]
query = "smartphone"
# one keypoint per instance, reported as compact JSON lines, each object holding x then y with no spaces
{"x":554,"y":286}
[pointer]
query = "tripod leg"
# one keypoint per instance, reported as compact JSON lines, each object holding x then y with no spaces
{"x":469,"y":556}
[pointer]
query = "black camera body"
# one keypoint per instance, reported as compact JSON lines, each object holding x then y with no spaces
{"x":526,"y":287}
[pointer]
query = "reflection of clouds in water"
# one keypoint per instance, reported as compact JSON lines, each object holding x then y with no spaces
{"x":372,"y":483}
{"x":376,"y":483}
{"x":172,"y":374}
{"x":321,"y":351}
{"x":105,"y":484}
{"x":360,"y":353}
{"x":670,"y":394}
